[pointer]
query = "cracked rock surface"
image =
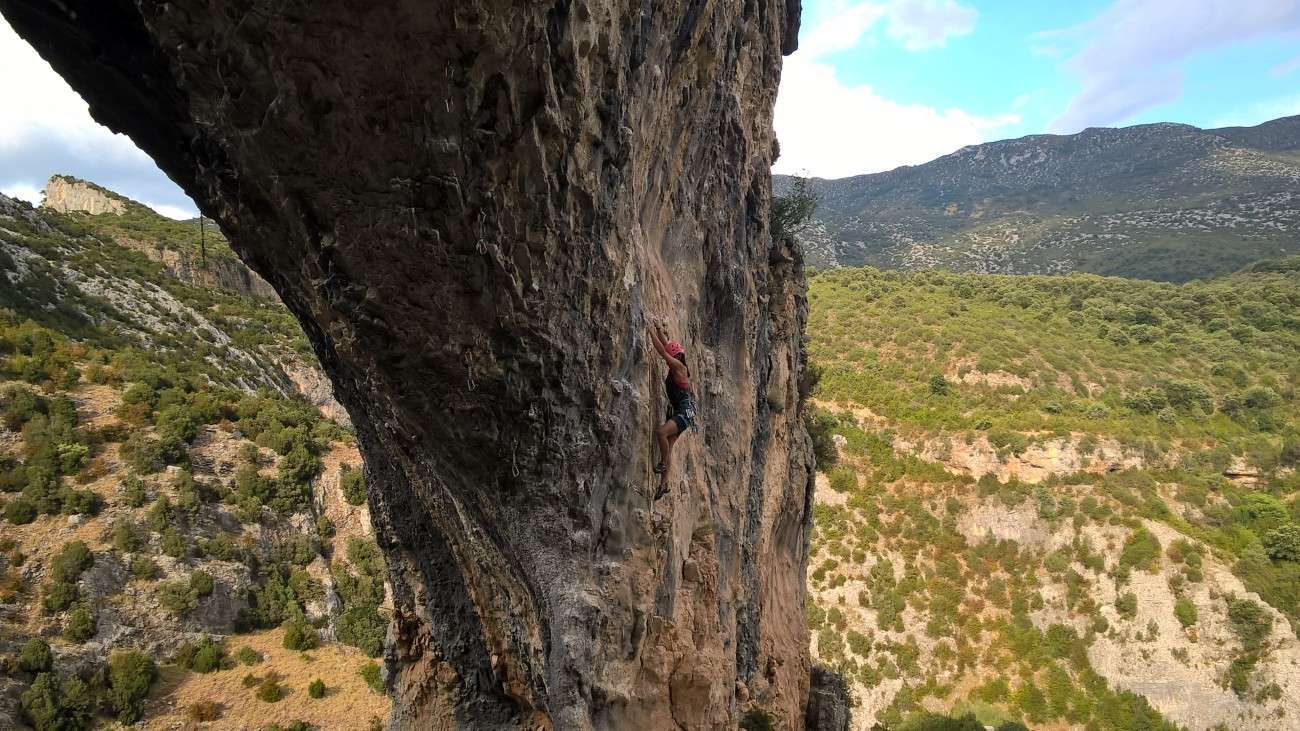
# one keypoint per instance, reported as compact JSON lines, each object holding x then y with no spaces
{"x":472,"y":208}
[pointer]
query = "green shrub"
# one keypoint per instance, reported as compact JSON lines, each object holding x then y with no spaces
{"x":370,"y":673}
{"x":353,"y":483}
{"x":20,"y":511}
{"x":203,"y":711}
{"x":1141,"y":551}
{"x":146,"y":455}
{"x":843,"y":479}
{"x":859,"y":643}
{"x":74,"y":558}
{"x":201,"y":584}
{"x":1283,"y":543}
{"x":936,"y":722}
{"x":820,"y":426}
{"x":939,"y":385}
{"x":364,"y":555}
{"x":173,"y":544}
{"x":1126,"y":604}
{"x":79,"y":625}
{"x":35,"y":656}
{"x":305,"y":587}
{"x":176,"y":597}
{"x":56,"y":702}
{"x":298,"y":635}
{"x":204,"y":657}
{"x":222,"y":547}
{"x":250,"y":680}
{"x":1185,"y":611}
{"x":161,"y":515}
{"x":1031,"y":701}
{"x":360,"y":625}
{"x":133,"y":492}
{"x":125,"y":537}
{"x":79,"y":502}
{"x":65,"y":569}
{"x":207,"y":659}
{"x":269,"y":690}
{"x":248,"y":656}
{"x":144,"y":568}
{"x":316,"y":689}
{"x":791,"y":213}
{"x":1007,"y":441}
{"x":1251,"y":622}
{"x":1261,"y":512}
{"x":130,"y":674}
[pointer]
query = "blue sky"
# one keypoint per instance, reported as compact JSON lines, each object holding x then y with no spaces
{"x":882,"y":83}
{"x":875,"y":84}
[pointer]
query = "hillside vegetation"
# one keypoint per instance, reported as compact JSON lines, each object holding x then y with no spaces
{"x":1069,"y":502}
{"x":171,"y":506}
{"x":1163,"y":201}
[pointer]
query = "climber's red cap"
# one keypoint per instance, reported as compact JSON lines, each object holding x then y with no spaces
{"x":673,"y":348}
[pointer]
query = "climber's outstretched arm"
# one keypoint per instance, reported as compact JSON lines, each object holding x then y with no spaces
{"x":657,"y":339}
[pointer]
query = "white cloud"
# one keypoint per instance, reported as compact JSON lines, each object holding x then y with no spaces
{"x":916,"y":25}
{"x":48,"y":107}
{"x":842,"y":31}
{"x":46,"y":128}
{"x":1129,"y":57}
{"x":176,"y":212}
{"x":921,"y":24}
{"x":23,"y":191}
{"x":1286,"y":68}
{"x":830,"y":129}
{"x":1261,"y":112}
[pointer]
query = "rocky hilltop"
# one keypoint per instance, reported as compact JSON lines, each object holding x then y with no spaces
{"x":1162,"y":201}
{"x":69,"y":195}
{"x":494,"y":199}
{"x":198,"y":257}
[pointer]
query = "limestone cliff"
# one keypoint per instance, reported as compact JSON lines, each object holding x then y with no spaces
{"x":473,"y":209}
{"x":66,"y":194}
{"x":69,"y":195}
{"x":224,"y":273}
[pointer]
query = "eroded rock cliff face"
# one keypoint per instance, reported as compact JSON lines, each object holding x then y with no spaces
{"x":228,"y":274}
{"x":67,"y":195}
{"x":472,"y":209}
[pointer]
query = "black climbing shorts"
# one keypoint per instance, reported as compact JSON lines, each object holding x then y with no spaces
{"x":683,"y":417}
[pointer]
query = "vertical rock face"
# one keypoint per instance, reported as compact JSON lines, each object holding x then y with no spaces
{"x":222,"y":273}
{"x":473,"y":208}
{"x":828,"y":702}
{"x":68,"y":195}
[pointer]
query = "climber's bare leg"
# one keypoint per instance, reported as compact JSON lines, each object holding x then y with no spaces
{"x":666,"y":434}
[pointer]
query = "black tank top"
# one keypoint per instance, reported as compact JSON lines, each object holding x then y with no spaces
{"x":679,"y":397}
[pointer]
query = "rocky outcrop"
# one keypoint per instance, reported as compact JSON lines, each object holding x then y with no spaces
{"x":312,"y":385}
{"x":828,"y":702}
{"x":473,"y":210}
{"x":69,"y":195}
{"x":218,"y":272}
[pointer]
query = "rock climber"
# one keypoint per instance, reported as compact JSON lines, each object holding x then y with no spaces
{"x":681,"y":404}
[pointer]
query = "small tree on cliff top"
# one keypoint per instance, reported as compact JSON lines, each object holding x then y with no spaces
{"x":793,"y":212}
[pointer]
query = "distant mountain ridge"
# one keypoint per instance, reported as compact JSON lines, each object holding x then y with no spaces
{"x":1159,"y":201}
